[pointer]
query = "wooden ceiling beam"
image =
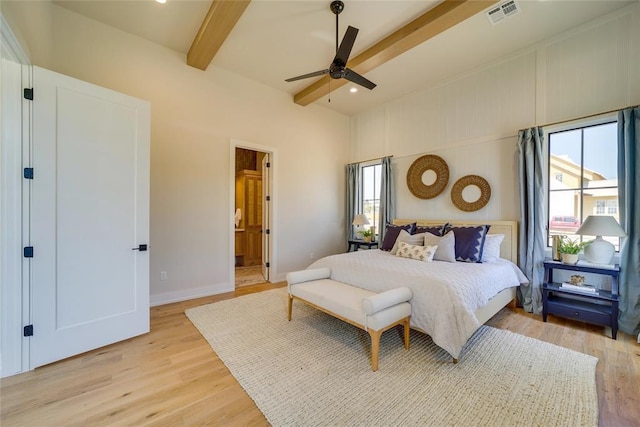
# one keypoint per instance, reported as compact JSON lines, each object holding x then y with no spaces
{"x":431,"y":23}
{"x":216,"y":27}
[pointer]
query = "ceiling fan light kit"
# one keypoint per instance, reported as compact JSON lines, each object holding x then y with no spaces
{"x":338,"y":68}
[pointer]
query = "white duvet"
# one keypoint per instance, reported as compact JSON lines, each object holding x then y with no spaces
{"x":445,"y":295}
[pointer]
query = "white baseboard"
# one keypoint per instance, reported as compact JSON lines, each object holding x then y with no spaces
{"x":275,"y":278}
{"x":205,"y":291}
{"x":177,"y":296}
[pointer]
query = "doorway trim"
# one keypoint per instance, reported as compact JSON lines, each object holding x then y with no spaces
{"x":273,"y":192}
{"x":15,"y":146}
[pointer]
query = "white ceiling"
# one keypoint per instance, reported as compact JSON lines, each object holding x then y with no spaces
{"x":275,"y":40}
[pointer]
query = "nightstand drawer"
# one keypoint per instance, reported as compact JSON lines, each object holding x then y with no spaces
{"x":577,"y":311}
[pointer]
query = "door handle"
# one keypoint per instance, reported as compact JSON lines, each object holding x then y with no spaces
{"x":141,"y":248}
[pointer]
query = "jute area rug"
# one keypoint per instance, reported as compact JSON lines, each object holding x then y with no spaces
{"x":315,"y":371}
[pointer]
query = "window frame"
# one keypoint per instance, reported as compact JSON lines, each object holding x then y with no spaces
{"x":579,"y":124}
{"x":363,"y":200}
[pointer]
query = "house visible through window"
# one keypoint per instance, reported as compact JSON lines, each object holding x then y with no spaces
{"x":583,"y":177}
{"x":371,"y":194}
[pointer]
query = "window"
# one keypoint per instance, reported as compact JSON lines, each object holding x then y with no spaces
{"x":606,"y":207}
{"x":371,"y":193}
{"x":586,"y":159}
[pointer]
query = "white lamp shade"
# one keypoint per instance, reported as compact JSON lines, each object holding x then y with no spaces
{"x":599,"y":251}
{"x":360,"y":220}
{"x":601,"y":225}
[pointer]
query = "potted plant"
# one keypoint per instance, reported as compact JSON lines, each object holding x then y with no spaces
{"x":367,"y":234}
{"x":569,"y":249}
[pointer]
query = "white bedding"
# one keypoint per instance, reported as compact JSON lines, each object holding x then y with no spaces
{"x":445,"y":295}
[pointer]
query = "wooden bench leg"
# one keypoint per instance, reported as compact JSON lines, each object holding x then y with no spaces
{"x":406,"y":333}
{"x":290,"y":306}
{"x":375,"y":348}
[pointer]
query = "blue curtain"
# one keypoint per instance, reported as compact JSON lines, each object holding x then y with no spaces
{"x":629,"y":201}
{"x":387,"y":200}
{"x":533,"y":219}
{"x":353,"y":198}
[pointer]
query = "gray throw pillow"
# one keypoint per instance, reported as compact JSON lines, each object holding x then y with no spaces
{"x":446,"y":246}
{"x":412,"y":239}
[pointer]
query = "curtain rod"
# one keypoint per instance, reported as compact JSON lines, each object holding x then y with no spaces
{"x":370,"y":160}
{"x":587,"y":116}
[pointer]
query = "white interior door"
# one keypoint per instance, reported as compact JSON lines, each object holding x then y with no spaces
{"x":89,"y":209}
{"x":266,"y":216}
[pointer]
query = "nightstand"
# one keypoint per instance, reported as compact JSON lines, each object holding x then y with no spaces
{"x":600,"y":307}
{"x":356,"y":244}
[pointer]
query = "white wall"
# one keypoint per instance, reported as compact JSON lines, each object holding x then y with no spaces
{"x":472,"y":119}
{"x":195,"y":115}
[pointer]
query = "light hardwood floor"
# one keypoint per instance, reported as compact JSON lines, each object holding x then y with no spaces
{"x":171,"y":377}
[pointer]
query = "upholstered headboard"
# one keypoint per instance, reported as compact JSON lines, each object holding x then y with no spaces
{"x":509,"y":248}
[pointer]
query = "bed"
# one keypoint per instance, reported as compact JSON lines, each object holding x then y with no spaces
{"x":451,"y":300}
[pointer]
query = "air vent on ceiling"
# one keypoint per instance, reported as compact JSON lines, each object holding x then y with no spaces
{"x":502,"y":11}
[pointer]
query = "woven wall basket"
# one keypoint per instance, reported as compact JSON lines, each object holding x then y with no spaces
{"x":419,"y":167}
{"x":461,"y":184}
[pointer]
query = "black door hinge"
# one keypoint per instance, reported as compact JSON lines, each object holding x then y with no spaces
{"x":268,"y":198}
{"x":28,"y":173}
{"x":28,"y":93}
{"x":268,"y":231}
{"x":27,"y":331}
{"x":267,"y":265}
{"x":268,"y":164}
{"x":28,"y":252}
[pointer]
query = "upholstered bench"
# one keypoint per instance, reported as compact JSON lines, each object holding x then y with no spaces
{"x":375,"y":313}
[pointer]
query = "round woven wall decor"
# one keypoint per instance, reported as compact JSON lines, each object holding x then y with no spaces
{"x":425,"y":163}
{"x":461,"y":184}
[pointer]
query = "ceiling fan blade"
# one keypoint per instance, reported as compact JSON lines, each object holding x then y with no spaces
{"x":342,"y":55}
{"x":358,"y":79}
{"x":306,"y":76}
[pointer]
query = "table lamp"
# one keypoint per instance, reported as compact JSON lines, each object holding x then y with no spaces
{"x":359,"y":220}
{"x":599,"y":251}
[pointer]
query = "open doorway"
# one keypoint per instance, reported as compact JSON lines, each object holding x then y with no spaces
{"x":251,"y":217}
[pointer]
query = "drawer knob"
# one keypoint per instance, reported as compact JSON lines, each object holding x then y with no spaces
{"x":576,"y":314}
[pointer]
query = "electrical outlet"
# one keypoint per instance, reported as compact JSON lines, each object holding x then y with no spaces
{"x":163,"y":275}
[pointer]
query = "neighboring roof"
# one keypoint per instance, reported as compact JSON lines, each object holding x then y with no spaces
{"x":566,"y":165}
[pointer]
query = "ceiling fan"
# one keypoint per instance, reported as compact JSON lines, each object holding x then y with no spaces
{"x":338,"y":68}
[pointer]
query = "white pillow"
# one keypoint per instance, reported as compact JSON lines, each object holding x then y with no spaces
{"x":412,"y":239}
{"x":491,"y":251}
{"x":420,"y":253}
{"x":446,"y":246}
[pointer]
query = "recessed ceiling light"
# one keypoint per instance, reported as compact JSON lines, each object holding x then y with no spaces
{"x":353,"y":90}
{"x":161,"y":1}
